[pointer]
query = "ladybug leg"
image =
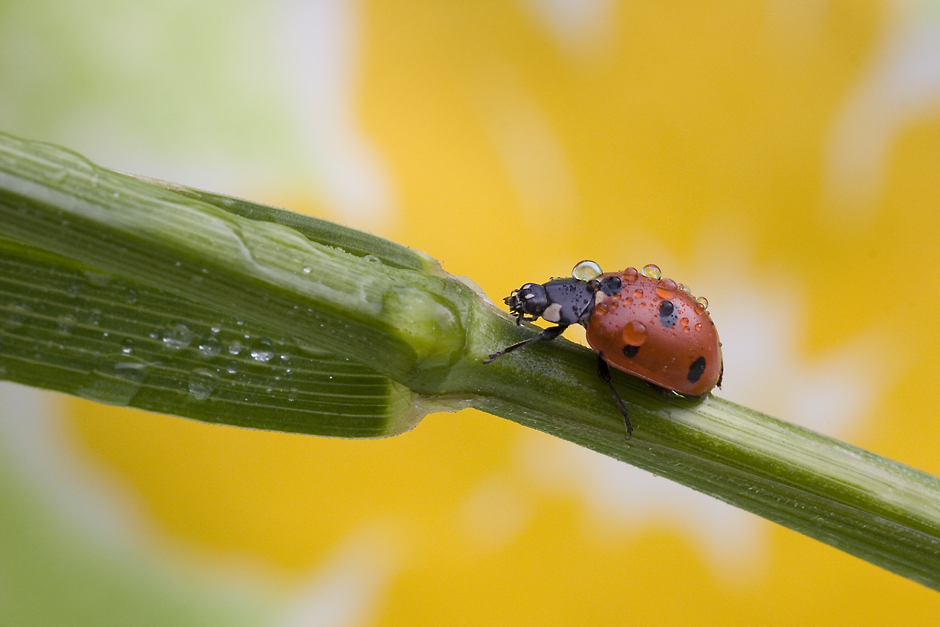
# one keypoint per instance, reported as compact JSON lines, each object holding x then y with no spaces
{"x":660,"y":389}
{"x":603,"y":370}
{"x":545,"y":336}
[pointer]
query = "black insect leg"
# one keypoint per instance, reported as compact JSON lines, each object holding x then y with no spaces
{"x":660,"y":390}
{"x":546,"y":335}
{"x":603,"y":370}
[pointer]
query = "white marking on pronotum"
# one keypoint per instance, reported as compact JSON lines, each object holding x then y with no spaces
{"x":552,"y":313}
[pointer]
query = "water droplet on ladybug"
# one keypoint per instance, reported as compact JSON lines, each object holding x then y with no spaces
{"x":634,"y":333}
{"x":638,"y":294}
{"x":701,"y":300}
{"x":601,"y":308}
{"x":630,"y":274}
{"x":684,"y":322}
{"x":586,"y":270}
{"x":698,"y":326}
{"x":685,"y":289}
{"x":666,"y":289}
{"x":652,"y":271}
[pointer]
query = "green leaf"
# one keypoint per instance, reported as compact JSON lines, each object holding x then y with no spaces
{"x":322,"y":231}
{"x":72,"y":328}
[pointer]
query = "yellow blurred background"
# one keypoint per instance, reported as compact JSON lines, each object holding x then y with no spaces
{"x":781,"y":157}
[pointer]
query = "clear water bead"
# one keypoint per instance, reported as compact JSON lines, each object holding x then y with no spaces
{"x":586,"y":270}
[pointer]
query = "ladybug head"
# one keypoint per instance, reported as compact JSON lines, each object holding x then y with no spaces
{"x":528,"y":302}
{"x":562,"y":301}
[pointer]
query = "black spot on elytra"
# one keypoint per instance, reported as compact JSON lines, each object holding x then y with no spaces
{"x":667,"y":314}
{"x":630,"y":351}
{"x":611,"y":285}
{"x":696,"y":370}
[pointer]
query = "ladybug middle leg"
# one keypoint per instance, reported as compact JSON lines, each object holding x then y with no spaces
{"x":603,"y":370}
{"x":545,"y":336}
{"x":661,"y":390}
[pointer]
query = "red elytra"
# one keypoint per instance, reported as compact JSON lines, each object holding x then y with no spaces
{"x":654,"y":330}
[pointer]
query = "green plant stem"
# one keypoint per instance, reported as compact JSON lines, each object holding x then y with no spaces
{"x":334,"y":291}
{"x":69,"y":327}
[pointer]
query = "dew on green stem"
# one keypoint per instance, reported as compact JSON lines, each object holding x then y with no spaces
{"x":177,"y":337}
{"x":263,"y":351}
{"x":210,"y":347}
{"x":116,"y":385}
{"x":202,"y":383}
{"x":94,"y":317}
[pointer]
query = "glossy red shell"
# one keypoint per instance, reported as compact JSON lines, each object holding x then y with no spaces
{"x":673,"y":345}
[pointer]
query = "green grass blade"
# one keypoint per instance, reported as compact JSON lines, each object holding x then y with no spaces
{"x":324,"y":232}
{"x":68,"y":327}
{"x":393,"y":320}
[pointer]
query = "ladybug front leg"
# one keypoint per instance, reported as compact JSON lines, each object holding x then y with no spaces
{"x":545,"y":336}
{"x":603,"y":370}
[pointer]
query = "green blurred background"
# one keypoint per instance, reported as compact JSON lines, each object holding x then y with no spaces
{"x":782,"y":157}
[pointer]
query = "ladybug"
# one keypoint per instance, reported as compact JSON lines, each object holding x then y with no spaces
{"x":636,"y":321}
